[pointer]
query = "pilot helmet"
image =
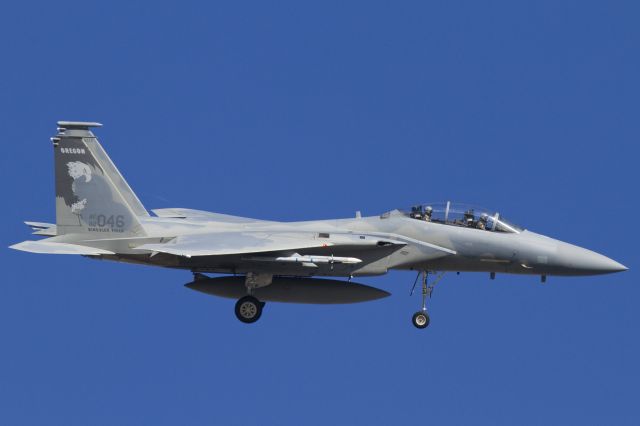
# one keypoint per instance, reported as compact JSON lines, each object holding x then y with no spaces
{"x":428,"y":209}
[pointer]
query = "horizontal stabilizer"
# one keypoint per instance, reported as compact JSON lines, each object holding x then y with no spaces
{"x":41,"y":228}
{"x":50,"y":247}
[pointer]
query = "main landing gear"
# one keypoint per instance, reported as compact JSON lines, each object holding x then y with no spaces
{"x":249,"y":309}
{"x":421,"y":318}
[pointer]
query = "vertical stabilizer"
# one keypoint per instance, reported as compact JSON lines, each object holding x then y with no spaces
{"x":91,"y":194}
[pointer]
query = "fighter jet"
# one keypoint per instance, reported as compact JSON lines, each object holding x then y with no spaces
{"x":99,"y":216}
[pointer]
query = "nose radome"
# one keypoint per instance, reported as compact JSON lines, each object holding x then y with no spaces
{"x":586,"y":262}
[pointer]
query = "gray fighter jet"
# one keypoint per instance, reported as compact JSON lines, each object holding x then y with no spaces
{"x":99,"y":216}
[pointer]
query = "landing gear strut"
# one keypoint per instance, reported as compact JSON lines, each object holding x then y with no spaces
{"x":421,"y":318}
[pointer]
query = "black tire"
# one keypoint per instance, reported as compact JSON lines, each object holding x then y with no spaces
{"x":420,"y":319}
{"x":249,"y":309}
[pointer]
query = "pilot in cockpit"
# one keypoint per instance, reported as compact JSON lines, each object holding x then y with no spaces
{"x":427,"y":213}
{"x":469,"y":219}
{"x":482,"y":222}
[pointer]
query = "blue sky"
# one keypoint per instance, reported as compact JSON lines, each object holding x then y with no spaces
{"x":304,"y":111}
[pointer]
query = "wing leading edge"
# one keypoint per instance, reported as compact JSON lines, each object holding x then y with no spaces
{"x":234,"y":243}
{"x":201,"y":215}
{"x":229,"y":243}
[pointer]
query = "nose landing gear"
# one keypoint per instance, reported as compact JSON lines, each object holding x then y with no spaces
{"x":421,"y":318}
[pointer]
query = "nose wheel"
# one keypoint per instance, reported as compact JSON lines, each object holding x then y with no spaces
{"x":420,"y":319}
{"x":249,"y":309}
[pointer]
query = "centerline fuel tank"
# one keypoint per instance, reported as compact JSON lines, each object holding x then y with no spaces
{"x":290,"y":290}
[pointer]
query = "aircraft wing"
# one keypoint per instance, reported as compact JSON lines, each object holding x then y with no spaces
{"x":227,"y":243}
{"x":233,"y":243}
{"x":201,"y":215}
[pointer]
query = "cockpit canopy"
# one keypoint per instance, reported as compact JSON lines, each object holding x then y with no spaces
{"x":457,"y":214}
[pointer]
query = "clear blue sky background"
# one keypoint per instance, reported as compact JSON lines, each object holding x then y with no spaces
{"x":303,"y":111}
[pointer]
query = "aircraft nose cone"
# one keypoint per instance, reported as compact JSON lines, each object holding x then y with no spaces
{"x":581,"y":261}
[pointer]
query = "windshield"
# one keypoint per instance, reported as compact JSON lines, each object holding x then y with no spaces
{"x":457,"y":214}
